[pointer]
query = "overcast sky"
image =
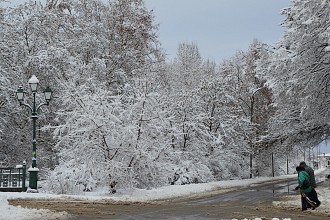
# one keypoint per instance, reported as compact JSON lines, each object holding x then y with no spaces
{"x":218,"y":27}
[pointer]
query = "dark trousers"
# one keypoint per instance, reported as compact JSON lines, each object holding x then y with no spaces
{"x":312,"y":196}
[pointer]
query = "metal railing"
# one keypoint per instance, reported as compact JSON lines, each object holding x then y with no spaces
{"x":13,"y":179}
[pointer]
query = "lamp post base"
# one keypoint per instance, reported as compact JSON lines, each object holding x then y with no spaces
{"x":33,"y":178}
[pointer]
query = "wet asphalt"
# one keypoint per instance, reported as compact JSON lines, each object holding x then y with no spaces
{"x":249,"y":202}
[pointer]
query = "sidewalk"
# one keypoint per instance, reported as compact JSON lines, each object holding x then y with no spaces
{"x":293,"y":201}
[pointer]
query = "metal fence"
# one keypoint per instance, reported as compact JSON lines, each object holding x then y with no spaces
{"x":13,"y":179}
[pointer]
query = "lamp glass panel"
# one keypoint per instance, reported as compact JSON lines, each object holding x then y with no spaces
{"x":48,"y":93}
{"x":20,"y":94}
{"x":34,"y":87}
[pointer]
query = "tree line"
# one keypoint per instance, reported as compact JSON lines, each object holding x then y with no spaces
{"x":122,"y":113}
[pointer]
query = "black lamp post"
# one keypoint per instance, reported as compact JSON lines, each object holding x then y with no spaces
{"x":33,"y":82}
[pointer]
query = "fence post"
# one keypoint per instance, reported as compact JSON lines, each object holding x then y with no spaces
{"x":24,"y":176}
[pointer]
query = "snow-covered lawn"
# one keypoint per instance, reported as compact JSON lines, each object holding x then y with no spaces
{"x":8,"y":212}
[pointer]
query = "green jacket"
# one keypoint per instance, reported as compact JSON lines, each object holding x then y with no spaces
{"x":304,"y":177}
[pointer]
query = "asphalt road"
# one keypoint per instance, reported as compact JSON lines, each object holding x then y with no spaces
{"x":250,"y":202}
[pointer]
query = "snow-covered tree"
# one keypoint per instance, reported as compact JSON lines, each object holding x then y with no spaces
{"x":100,"y":94}
{"x":14,"y":61}
{"x":297,"y":71}
{"x":253,"y":98}
{"x":122,"y":115}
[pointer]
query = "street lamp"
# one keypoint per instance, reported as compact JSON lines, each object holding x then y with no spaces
{"x":33,"y":82}
{"x":251,"y":121}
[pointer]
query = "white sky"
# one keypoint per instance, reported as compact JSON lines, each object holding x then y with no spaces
{"x":324,"y":147}
{"x":218,"y":27}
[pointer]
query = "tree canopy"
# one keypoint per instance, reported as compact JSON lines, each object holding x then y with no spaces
{"x":123,"y":114}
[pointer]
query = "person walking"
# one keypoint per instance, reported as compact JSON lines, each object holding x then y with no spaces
{"x":308,"y":194}
{"x":310,"y":172}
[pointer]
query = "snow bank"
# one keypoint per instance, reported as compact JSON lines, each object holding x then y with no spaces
{"x":8,"y":212}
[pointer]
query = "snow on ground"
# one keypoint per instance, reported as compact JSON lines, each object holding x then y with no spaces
{"x":8,"y":212}
{"x":293,"y":201}
{"x":323,"y":192}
